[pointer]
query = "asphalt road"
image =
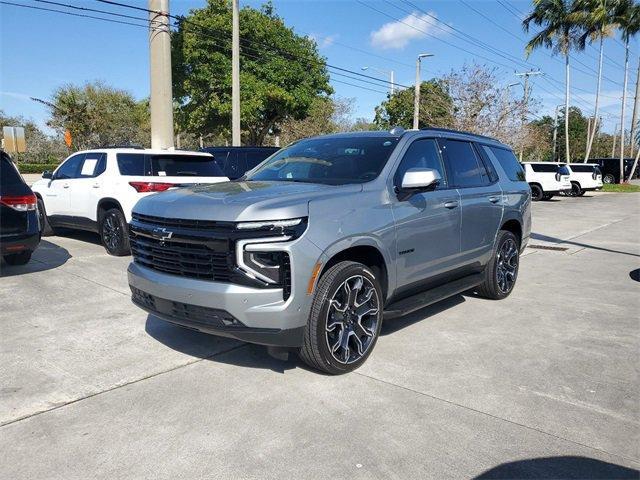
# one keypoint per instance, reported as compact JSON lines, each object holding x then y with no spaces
{"x":543,"y":384}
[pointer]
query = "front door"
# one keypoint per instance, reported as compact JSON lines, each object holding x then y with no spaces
{"x":428,"y":223}
{"x":56,"y":196}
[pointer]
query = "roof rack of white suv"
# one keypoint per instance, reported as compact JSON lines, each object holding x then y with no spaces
{"x":124,"y":145}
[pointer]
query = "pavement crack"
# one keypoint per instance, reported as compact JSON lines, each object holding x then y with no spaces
{"x":116,"y":387}
{"x":512,"y":422}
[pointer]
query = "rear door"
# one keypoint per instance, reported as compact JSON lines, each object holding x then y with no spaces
{"x":481,"y":199}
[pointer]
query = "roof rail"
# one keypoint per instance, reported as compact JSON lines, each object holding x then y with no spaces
{"x":124,"y":145}
{"x":450,"y":130}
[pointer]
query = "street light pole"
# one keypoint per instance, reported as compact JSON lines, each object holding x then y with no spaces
{"x":235,"y":75}
{"x":526,"y":76}
{"x":161,"y":95}
{"x":384,"y":72}
{"x":416,"y":100}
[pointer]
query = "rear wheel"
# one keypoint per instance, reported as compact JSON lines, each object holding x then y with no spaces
{"x":45,"y":227}
{"x":21,"y":258}
{"x":114,"y":232}
{"x":608,"y":178}
{"x":502,"y":271}
{"x":536,"y":193}
{"x":576,"y":191}
{"x":345,"y":319}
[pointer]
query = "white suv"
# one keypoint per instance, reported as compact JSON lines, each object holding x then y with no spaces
{"x":546,"y":179}
{"x":585,"y":177}
{"x":95,"y":190}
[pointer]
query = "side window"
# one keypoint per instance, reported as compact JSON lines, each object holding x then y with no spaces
{"x":420,"y":154}
{"x":463,"y":165}
{"x":507,"y":161}
{"x":93,"y":165}
{"x":544,"y":167}
{"x":70,"y":168}
{"x":131,"y":164}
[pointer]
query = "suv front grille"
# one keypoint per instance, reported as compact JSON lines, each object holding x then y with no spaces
{"x":181,"y":223}
{"x":181,"y":258}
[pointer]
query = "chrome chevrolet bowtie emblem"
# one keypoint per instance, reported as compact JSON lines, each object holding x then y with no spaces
{"x":161,"y":234}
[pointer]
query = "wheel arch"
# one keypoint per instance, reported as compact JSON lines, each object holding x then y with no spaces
{"x":514,"y":226}
{"x":107,"y":204}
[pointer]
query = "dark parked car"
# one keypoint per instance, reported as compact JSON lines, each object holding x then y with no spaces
{"x":19,"y":223}
{"x":610,"y":168}
{"x":235,"y":161}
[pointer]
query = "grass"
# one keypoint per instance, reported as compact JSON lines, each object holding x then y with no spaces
{"x":623,"y":188}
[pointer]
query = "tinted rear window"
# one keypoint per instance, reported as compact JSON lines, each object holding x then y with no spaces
{"x":582,"y":168}
{"x":184,"y":166}
{"x":8,"y":174}
{"x":131,"y":163}
{"x":464,"y":167}
{"x":508,"y":162}
{"x":544,"y":167}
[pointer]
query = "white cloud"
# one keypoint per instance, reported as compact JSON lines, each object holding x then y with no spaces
{"x":324,"y":41}
{"x":396,"y":35}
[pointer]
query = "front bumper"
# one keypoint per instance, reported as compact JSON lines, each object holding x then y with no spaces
{"x":256,"y":315}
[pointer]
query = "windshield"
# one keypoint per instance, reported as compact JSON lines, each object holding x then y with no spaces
{"x":331,"y":161}
{"x":184,"y":166}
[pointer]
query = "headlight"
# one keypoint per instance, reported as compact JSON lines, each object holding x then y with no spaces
{"x":269,"y":224}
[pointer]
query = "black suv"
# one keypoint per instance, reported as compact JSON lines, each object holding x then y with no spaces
{"x":235,"y":161}
{"x":610,"y":168}
{"x":19,"y":223}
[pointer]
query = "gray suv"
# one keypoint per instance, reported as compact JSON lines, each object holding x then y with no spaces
{"x":310,"y":249}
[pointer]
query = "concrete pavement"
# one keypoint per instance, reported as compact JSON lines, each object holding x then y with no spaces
{"x":542,"y":384}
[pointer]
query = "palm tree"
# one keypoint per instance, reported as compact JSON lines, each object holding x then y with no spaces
{"x":626,"y":17}
{"x":559,"y":32}
{"x":596,"y":18}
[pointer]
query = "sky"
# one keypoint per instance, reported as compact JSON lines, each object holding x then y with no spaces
{"x":40,"y":51}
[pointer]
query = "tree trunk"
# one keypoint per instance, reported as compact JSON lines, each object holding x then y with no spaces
{"x":592,"y":134}
{"x":566,"y":108}
{"x":624,"y":104}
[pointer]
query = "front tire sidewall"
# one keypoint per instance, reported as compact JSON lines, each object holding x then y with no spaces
{"x":489,"y":288}
{"x":327,"y":286}
{"x":536,"y":193}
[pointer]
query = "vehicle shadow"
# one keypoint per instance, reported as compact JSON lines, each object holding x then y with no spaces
{"x":635,"y":274}
{"x":393,"y":325}
{"x":546,"y":238}
{"x":46,"y":257}
{"x":215,"y":349}
{"x":82,"y":235}
{"x":561,"y":468}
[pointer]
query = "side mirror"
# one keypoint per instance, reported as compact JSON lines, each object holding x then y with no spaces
{"x":417,"y":180}
{"x":47,"y":174}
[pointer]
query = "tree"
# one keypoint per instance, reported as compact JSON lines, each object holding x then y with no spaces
{"x":626,"y":16}
{"x":436,"y":107}
{"x":41,"y":148}
{"x":596,"y":17}
{"x":98,"y":115}
{"x":326,"y":115}
{"x":559,"y":32}
{"x":281,"y":73}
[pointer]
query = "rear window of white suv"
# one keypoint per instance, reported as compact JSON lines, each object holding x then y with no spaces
{"x":168,"y":165}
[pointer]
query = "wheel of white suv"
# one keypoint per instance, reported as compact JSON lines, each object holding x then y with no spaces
{"x":114,"y":232}
{"x":345,"y":319}
{"x":576,"y":191}
{"x":502,"y":271}
{"x":536,"y":193}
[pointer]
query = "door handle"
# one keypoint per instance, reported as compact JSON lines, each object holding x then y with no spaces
{"x":95,"y":185}
{"x":66,"y":185}
{"x":452,"y":204}
{"x":494,"y":199}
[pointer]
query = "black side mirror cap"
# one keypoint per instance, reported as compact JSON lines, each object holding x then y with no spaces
{"x":47,"y":174}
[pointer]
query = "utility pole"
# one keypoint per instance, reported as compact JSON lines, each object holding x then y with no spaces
{"x":391,"y":74}
{"x":525,"y":99}
{"x":161,"y":100}
{"x":634,"y":115}
{"x":235,"y":76}
{"x":586,"y":145}
{"x":555,"y":134}
{"x":416,"y":99}
{"x":613,"y":149}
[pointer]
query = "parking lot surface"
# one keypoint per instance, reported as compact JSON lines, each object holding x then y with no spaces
{"x":542,"y":384}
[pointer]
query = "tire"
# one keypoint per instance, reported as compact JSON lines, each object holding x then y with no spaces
{"x":497,"y":285}
{"x":582,"y":192}
{"x":45,"y":227}
{"x":537,"y":193}
{"x":609,"y":178}
{"x":547,"y":196}
{"x":114,"y":232}
{"x":21,"y":258}
{"x":576,"y":190}
{"x":333,"y":312}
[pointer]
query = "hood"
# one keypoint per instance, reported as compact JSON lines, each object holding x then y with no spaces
{"x":240,"y":201}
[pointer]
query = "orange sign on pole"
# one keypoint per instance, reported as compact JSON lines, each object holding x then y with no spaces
{"x":67,"y":138}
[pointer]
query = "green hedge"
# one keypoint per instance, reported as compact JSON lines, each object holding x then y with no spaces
{"x":36,"y":167}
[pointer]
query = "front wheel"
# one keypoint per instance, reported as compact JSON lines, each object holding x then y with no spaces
{"x":114,"y":233}
{"x":345,"y":319}
{"x":502,"y":271}
{"x":537,"y":193}
{"x":21,"y":258}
